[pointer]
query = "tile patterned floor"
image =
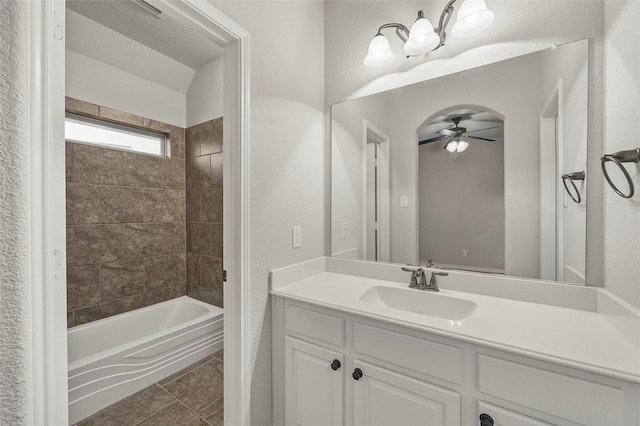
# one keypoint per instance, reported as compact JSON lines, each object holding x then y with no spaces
{"x":190,"y":397}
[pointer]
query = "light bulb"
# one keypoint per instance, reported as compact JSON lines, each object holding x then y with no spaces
{"x":473,"y":17}
{"x":452,"y":146}
{"x":379,"y":52}
{"x":422,"y":38}
{"x":462,"y":145}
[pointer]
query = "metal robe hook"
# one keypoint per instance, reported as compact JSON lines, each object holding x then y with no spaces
{"x":629,"y":156}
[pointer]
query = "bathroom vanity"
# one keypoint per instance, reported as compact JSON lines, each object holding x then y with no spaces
{"x":354,"y":345}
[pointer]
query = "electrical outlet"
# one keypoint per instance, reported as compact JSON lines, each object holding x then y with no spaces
{"x":344,"y":230}
{"x":465,"y":253}
{"x":296,"y":237}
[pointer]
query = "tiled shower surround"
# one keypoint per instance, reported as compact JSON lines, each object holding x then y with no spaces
{"x":126,"y":224}
{"x":204,"y":211}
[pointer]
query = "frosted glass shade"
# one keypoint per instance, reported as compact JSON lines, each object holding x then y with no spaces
{"x":422,"y":38}
{"x":379,"y":52}
{"x":456,"y":145}
{"x":473,"y":17}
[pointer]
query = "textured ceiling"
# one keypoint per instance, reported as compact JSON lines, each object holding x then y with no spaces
{"x":166,"y":36}
{"x":473,"y":120}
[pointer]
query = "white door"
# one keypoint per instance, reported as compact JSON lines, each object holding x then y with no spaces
{"x":314,"y":383}
{"x":383,"y":397}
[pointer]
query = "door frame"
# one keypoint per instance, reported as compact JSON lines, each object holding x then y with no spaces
{"x":551,"y":191}
{"x":377,"y":136}
{"x":46,"y":75}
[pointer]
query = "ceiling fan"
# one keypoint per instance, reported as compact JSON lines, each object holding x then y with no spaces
{"x":456,"y":136}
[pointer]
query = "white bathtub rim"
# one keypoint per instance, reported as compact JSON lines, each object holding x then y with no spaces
{"x":213,"y":312}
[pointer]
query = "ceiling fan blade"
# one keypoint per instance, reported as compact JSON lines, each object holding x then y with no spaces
{"x":477,"y":137}
{"x":486,"y":128}
{"x":439,"y":138}
{"x":446,"y":132}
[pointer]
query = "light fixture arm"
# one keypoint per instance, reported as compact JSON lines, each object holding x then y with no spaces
{"x":403,"y":32}
{"x":400,"y":29}
{"x":445,"y":16}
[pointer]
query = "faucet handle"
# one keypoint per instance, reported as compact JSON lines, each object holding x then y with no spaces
{"x":415,"y":273}
{"x":441,"y":274}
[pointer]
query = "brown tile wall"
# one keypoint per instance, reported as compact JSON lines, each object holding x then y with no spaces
{"x":126,"y":229}
{"x":204,"y":211}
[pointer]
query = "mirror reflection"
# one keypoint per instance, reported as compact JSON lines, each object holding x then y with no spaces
{"x":466,"y":171}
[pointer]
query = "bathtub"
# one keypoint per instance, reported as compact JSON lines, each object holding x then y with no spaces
{"x":112,"y":358}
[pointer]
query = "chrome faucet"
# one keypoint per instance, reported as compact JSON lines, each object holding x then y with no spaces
{"x":419,"y":278}
{"x":433,"y":282}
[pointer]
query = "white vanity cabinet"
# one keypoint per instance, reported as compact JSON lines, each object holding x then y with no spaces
{"x":327,"y":382}
{"x":383,"y":397}
{"x":314,"y":384}
{"x":337,"y":368}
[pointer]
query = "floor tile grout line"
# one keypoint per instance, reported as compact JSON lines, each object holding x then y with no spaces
{"x":186,"y":406}
{"x":155,"y":412}
{"x":211,"y":403}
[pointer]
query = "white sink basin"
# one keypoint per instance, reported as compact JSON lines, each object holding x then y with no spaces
{"x":420,"y":302}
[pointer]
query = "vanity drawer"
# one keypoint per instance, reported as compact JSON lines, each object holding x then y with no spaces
{"x":424,"y":356}
{"x":570,"y":398}
{"x":318,"y":325}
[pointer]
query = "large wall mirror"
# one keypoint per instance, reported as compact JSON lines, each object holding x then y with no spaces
{"x":482,"y":170}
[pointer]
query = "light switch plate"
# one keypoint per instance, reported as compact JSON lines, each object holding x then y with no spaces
{"x":296,"y":237}
{"x":404,"y":201}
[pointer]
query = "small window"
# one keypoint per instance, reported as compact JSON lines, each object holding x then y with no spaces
{"x":95,"y":132}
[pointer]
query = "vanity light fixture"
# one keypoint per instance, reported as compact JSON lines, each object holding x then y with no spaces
{"x":473,"y":17}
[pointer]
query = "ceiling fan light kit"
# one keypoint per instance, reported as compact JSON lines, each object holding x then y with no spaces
{"x":473,"y":17}
{"x":457,"y":138}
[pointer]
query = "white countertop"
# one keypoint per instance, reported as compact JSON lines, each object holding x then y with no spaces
{"x":577,"y":338}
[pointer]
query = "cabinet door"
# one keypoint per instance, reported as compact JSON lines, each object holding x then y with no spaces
{"x":502,"y":417}
{"x":383,"y":397}
{"x":314,"y":385}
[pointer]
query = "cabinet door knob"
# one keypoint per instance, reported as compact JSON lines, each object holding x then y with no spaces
{"x":357,"y":373}
{"x":335,"y":364}
{"x":486,"y":420}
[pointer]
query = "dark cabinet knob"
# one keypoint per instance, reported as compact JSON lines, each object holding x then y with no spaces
{"x":357,"y":373}
{"x":335,"y":364}
{"x":486,"y":420}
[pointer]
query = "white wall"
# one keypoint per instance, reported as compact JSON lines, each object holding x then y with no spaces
{"x":286,"y":153}
{"x":107,"y":68}
{"x":622,"y":109}
{"x":461,"y":205}
{"x":16,"y":396}
{"x":103,"y":44}
{"x":348,"y":169}
{"x":518,"y":27}
{"x":94,"y":81}
{"x":570,"y":64}
{"x":204,"y":97}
